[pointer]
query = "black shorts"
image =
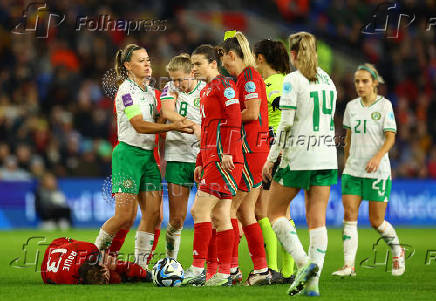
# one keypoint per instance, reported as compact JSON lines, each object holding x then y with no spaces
{"x":266,"y":185}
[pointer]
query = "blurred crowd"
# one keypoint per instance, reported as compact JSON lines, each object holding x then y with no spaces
{"x":56,"y":117}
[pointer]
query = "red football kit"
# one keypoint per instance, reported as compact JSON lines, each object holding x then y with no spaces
{"x":255,"y":140}
{"x":220,"y":134}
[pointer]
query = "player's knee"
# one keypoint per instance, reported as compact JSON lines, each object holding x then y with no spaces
{"x":194,"y":213}
{"x":350,"y":213}
{"x":177,"y":221}
{"x":375,"y":221}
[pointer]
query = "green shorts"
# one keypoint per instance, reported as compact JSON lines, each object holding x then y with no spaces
{"x":376,"y":190}
{"x":180,"y":173}
{"x":134,"y":169}
{"x":306,"y":178}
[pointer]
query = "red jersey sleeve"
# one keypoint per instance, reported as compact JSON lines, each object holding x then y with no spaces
{"x":130,"y":272}
{"x":199,"y":162}
{"x":231,"y":128}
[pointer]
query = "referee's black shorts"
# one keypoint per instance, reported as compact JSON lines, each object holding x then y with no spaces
{"x":266,"y":185}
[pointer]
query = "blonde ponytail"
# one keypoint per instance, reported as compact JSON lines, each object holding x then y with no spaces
{"x":240,"y":45}
{"x":245,"y":48}
{"x":306,"y":61}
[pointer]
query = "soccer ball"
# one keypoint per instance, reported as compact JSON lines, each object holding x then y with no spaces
{"x":168,"y":272}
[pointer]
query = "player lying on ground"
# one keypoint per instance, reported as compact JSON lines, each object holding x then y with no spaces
{"x":69,"y":261}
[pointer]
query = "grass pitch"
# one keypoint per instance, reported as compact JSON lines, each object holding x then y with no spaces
{"x":20,"y":279}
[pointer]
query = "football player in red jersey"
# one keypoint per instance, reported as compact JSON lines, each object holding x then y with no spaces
{"x":68,"y":261}
{"x":239,"y":61}
{"x":220,"y":160}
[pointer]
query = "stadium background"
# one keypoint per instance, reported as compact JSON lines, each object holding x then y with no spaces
{"x":56,"y":117}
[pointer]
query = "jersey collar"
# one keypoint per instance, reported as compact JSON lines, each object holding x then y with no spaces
{"x":376,"y":101}
{"x":138,"y":85}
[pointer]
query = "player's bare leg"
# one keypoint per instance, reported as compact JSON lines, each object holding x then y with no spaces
{"x":316,"y":200}
{"x":178,"y":202}
{"x":280,"y":197}
{"x":125,"y":206}
{"x":377,"y":212}
{"x":350,"y":235}
{"x":150,"y":205}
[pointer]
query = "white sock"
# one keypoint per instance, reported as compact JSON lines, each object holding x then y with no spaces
{"x":350,"y":238}
{"x":260,"y":271}
{"x":173,"y":241}
{"x":143,"y":245}
{"x":233,"y":270}
{"x":317,"y":250}
{"x":196,"y":270}
{"x":287,"y":235}
{"x":103,"y":240}
{"x":390,"y":237}
{"x":222,"y":275}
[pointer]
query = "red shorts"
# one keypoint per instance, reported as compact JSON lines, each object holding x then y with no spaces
{"x":252,"y":171}
{"x":220,"y":183}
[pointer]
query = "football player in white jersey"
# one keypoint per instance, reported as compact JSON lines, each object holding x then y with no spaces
{"x":180,"y":99}
{"x":370,"y":124}
{"x":305,"y":136}
{"x":135,"y":174}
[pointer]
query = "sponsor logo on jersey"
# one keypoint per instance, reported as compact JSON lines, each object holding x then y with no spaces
{"x":229,"y":93}
{"x":251,"y":96}
{"x":127,"y":100}
{"x":250,"y":87}
{"x":376,"y":116}
{"x":287,"y":88}
{"x":232,"y":102}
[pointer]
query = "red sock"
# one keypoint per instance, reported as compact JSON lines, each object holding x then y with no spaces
{"x":224,"y":242}
{"x":236,"y":240}
{"x":118,"y":241}
{"x":254,"y":237}
{"x":212,"y":263}
{"x":202,"y":236}
{"x":156,"y":240}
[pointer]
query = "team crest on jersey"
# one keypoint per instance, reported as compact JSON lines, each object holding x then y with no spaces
{"x":206,"y":93}
{"x":127,"y":183}
{"x":287,"y":87}
{"x":197,"y":102}
{"x":229,"y":93}
{"x":375,"y":116}
{"x":250,"y":87}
